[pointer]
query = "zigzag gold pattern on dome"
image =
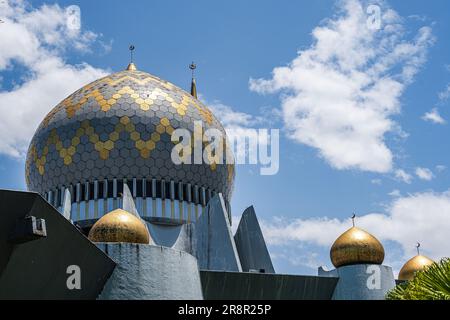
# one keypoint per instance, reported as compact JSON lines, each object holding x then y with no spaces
{"x":213,"y":159}
{"x":145,"y":147}
{"x":105,"y":104}
{"x":72,"y":107}
{"x":185,"y":101}
{"x":109,"y":80}
{"x":66,"y":104}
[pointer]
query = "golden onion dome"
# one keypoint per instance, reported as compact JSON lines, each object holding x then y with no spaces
{"x":413,"y":265}
{"x":356,"y":246}
{"x":119,"y":226}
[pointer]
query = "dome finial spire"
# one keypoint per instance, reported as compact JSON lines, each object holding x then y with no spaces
{"x":353,"y":219}
{"x":193,"y":66}
{"x":131,"y":65}
{"x":418,"y":248}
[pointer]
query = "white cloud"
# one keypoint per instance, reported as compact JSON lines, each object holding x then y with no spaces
{"x":231,"y":118}
{"x":341,"y":93}
{"x":434,"y":116}
{"x":422,"y":217}
{"x":376,"y":182}
{"x":402,"y":175}
{"x":35,"y":41}
{"x":424,"y":174}
{"x":440,"y":168}
{"x":395,"y":193}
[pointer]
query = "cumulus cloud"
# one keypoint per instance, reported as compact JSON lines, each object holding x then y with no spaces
{"x":340,"y":95}
{"x":422,"y":217}
{"x":434,"y":116}
{"x":402,"y":175}
{"x":424,"y":174}
{"x":33,"y":42}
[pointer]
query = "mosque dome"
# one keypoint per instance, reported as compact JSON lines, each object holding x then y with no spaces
{"x":119,"y":226}
{"x":356,"y":246}
{"x":119,"y":127}
{"x":413,"y":265}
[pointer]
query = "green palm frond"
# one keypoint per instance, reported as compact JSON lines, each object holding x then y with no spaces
{"x":432,"y":283}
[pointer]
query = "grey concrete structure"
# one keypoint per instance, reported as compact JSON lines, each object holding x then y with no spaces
{"x":108,"y":146}
{"x":250,"y":244}
{"x":180,"y":237}
{"x":151,"y":273}
{"x":216,"y":249}
{"x":361,"y":282}
{"x":128,"y":202}
{"x":38,"y":269}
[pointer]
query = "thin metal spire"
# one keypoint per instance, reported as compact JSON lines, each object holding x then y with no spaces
{"x":193,"y":66}
{"x":353,"y":219}
{"x":131,"y":65}
{"x":418,"y":248}
{"x":131,"y":48}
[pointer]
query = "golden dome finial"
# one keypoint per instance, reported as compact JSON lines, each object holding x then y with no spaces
{"x":417,"y":263}
{"x":193,"y":66}
{"x":356,"y":246}
{"x":131,"y":65}
{"x":119,"y":226}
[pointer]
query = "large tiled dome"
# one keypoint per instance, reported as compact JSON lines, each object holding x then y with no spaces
{"x":119,"y":127}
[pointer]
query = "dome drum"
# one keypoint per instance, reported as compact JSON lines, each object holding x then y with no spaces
{"x":155,"y":199}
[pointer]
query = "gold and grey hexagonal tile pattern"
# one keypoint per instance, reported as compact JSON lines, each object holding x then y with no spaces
{"x":119,"y":127}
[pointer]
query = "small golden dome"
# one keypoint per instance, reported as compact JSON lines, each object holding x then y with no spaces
{"x":413,"y":265}
{"x":356,"y":246}
{"x":119,"y":226}
{"x":131,"y":67}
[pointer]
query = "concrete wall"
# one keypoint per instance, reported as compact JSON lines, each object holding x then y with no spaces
{"x":38,"y":269}
{"x":363,"y":282}
{"x":151,"y":272}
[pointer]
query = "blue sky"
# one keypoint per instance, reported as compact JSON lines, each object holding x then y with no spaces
{"x":390,"y":167}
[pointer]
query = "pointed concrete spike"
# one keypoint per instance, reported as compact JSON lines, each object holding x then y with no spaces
{"x":216,"y":249}
{"x":67,"y":205}
{"x":128,"y":202}
{"x":129,"y":206}
{"x":251,"y":245}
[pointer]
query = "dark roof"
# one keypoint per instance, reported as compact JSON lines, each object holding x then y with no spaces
{"x":219,"y":285}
